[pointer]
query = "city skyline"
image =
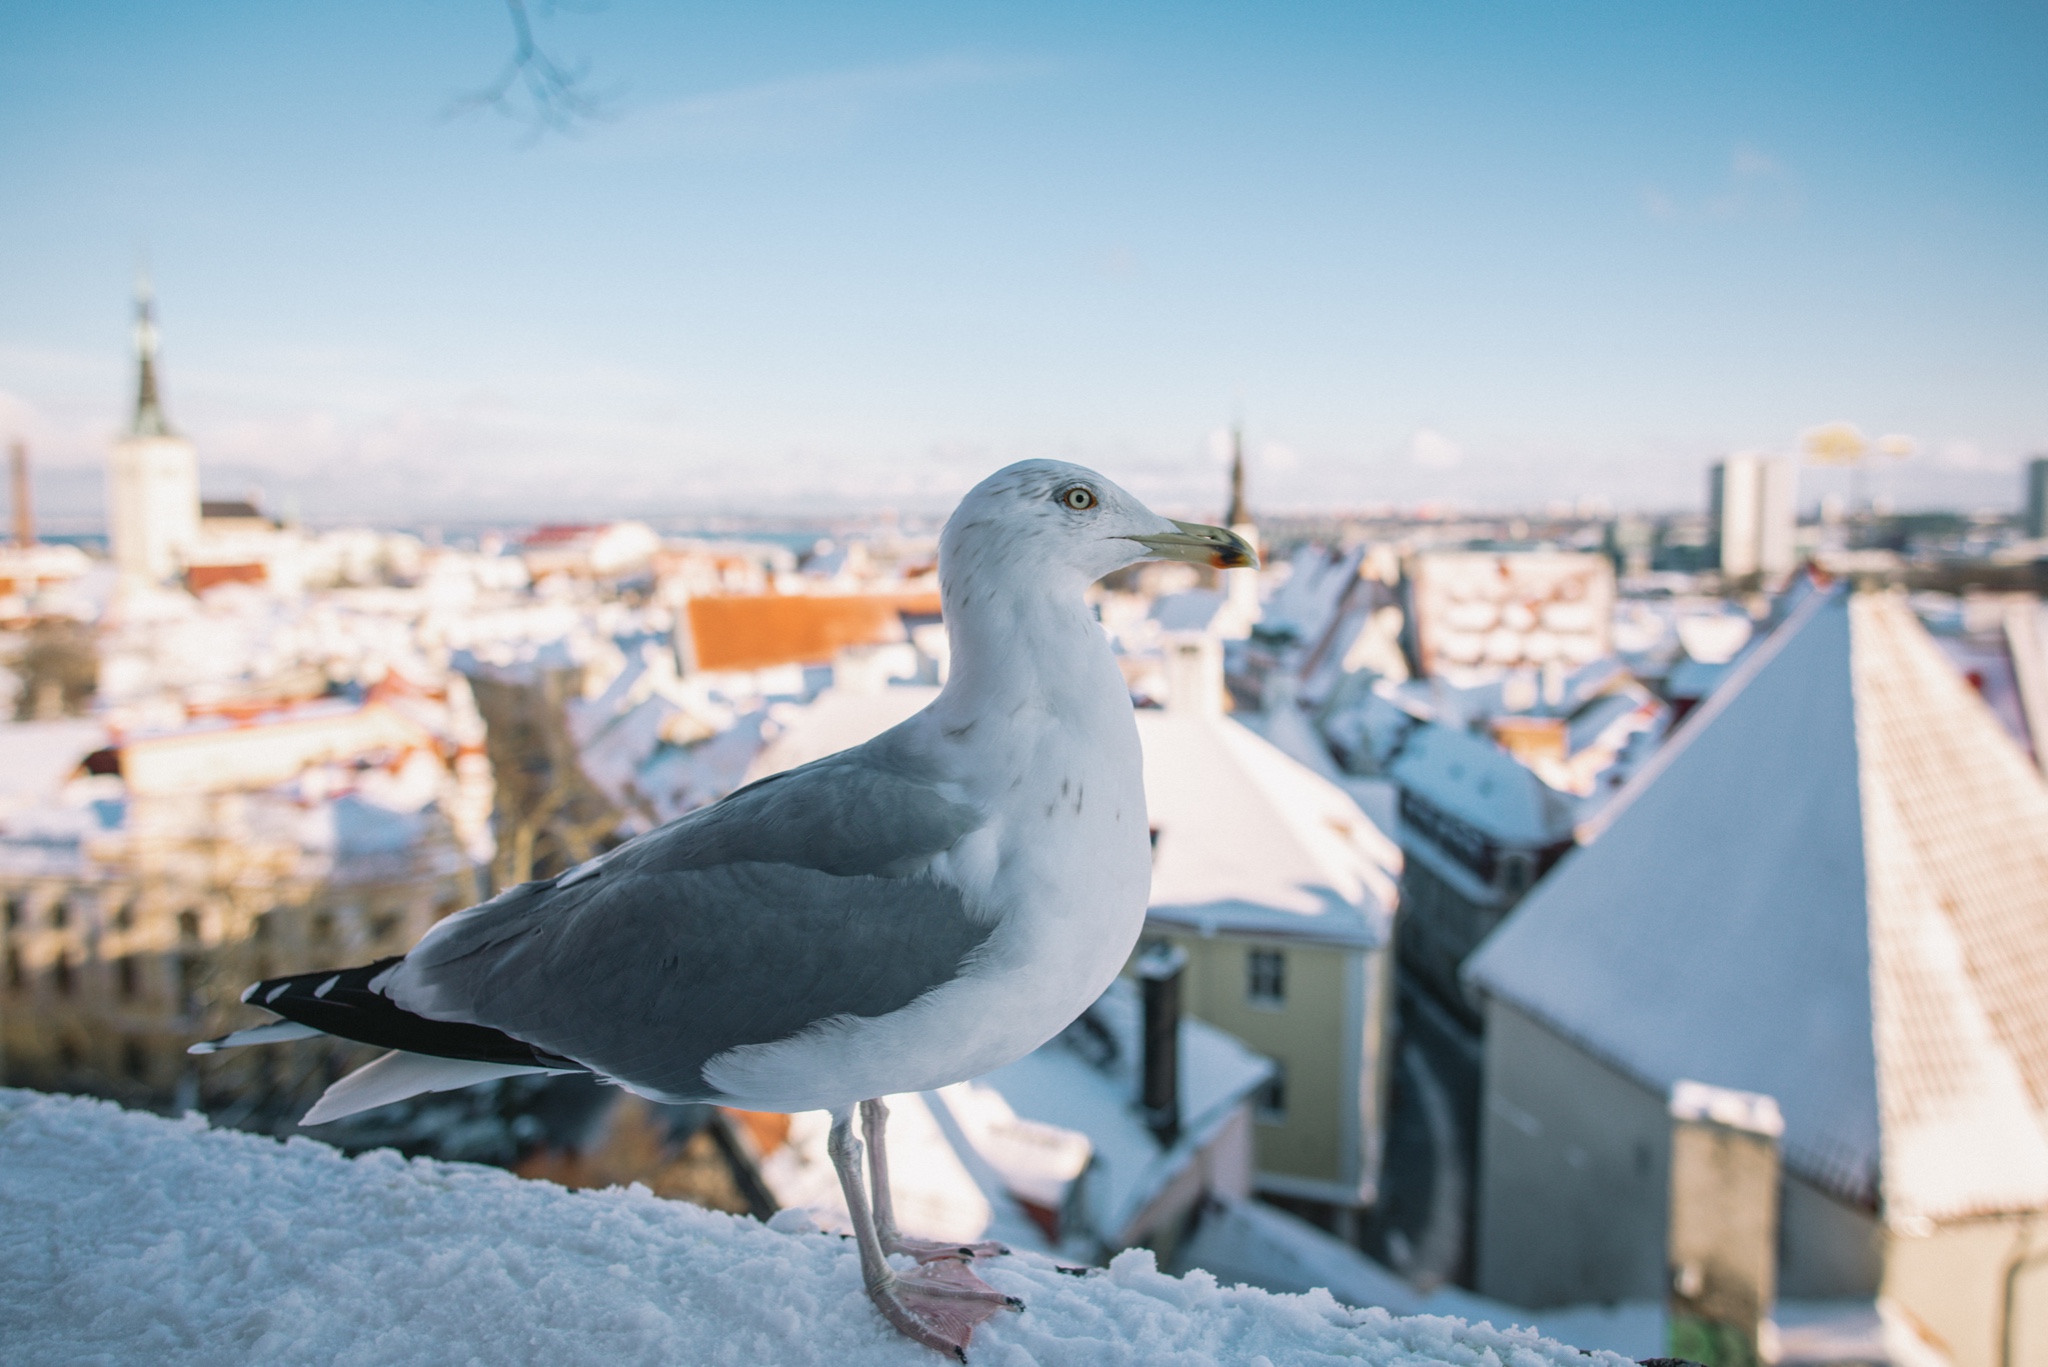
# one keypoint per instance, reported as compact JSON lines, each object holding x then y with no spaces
{"x":814,"y":261}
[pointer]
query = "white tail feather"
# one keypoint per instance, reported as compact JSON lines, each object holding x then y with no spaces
{"x":399,"y":1075}
{"x":274,"y":1033}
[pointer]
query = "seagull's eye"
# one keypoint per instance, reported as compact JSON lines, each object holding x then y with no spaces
{"x":1079,"y":497}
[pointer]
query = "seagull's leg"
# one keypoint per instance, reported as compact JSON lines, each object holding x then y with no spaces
{"x":874,"y":1116}
{"x":936,"y":1305}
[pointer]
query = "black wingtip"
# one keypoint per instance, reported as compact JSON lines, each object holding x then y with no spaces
{"x":343,"y":1002}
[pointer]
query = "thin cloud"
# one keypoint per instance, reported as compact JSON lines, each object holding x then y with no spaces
{"x":798,"y":113}
{"x":1759,"y":186}
{"x":1756,"y":186}
{"x":1960,"y":453}
{"x":1432,"y":450}
{"x":1659,"y":205}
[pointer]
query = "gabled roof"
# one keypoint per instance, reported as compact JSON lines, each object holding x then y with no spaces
{"x":1831,"y":888}
{"x":1253,"y":841}
{"x":1475,"y":780}
{"x":760,"y":631}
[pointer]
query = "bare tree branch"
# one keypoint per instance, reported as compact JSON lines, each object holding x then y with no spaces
{"x":534,"y":88}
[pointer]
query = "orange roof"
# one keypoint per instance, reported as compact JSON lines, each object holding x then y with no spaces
{"x":200,"y":578}
{"x":557,"y":533}
{"x":759,"y":631}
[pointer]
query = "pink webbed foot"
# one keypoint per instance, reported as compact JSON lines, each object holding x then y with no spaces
{"x":934,"y":1250}
{"x":939,"y":1304}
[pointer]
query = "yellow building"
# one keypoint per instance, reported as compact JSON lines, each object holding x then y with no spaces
{"x":1282,"y":893}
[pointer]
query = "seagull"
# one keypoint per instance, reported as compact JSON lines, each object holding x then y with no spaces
{"x":906,"y":914}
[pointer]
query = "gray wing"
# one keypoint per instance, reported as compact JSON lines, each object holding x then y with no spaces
{"x":804,"y":896}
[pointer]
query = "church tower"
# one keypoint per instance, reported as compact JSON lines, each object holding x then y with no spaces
{"x":1237,"y":515}
{"x":1242,"y":586}
{"x":153,"y":479}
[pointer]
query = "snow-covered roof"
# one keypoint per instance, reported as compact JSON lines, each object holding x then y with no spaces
{"x":964,"y":1155}
{"x":1253,"y":841}
{"x":1306,"y":603}
{"x":1476,"y":781}
{"x":1057,"y":1085}
{"x":131,"y":1238}
{"x":1830,"y":888}
{"x":836,"y":719}
{"x":1189,"y":610}
{"x":36,"y":757}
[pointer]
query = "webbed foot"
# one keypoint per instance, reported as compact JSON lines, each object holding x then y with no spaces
{"x":939,"y":1303}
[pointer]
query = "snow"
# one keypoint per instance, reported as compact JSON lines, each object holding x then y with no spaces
{"x":1730,"y":876}
{"x":1252,"y":841}
{"x":1833,"y":881}
{"x":1063,"y":1115}
{"x":1127,"y":1168}
{"x":1475,"y":780}
{"x":133,"y":1239}
{"x":37,"y":756}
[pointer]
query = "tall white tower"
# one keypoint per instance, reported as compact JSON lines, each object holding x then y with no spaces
{"x":1753,"y":504}
{"x":153,"y":479}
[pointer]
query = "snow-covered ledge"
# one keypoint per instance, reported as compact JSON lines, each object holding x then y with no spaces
{"x":126,"y":1238}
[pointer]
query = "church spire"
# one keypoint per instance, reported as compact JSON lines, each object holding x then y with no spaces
{"x":149,"y":413}
{"x":1238,"y":515}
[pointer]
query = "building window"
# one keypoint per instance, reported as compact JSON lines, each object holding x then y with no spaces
{"x":1516,"y":873}
{"x":188,"y":926}
{"x":124,"y":916}
{"x":124,"y":977}
{"x":13,"y":913}
{"x":135,"y":1061}
{"x":14,"y":968}
{"x":60,"y":974}
{"x":1269,"y":1103}
{"x":60,"y":914}
{"x":190,"y":974}
{"x":1265,"y":981}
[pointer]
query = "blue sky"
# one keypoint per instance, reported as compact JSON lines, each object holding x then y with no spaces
{"x":828,"y":256}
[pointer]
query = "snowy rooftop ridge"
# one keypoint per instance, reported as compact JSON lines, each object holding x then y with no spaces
{"x":1831,"y":888}
{"x":131,"y":1238}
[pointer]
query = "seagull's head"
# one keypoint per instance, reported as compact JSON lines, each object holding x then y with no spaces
{"x":1054,"y":521}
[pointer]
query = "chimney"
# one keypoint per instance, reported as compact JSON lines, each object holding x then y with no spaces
{"x":24,"y":508}
{"x":1159,"y":969}
{"x":1724,"y":1221}
{"x":1194,"y":673}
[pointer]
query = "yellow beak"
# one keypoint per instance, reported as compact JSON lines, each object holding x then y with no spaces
{"x":1200,"y":544}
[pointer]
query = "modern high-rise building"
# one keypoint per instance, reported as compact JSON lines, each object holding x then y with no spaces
{"x":2037,"y":498}
{"x":1753,"y":504}
{"x":153,"y":478}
